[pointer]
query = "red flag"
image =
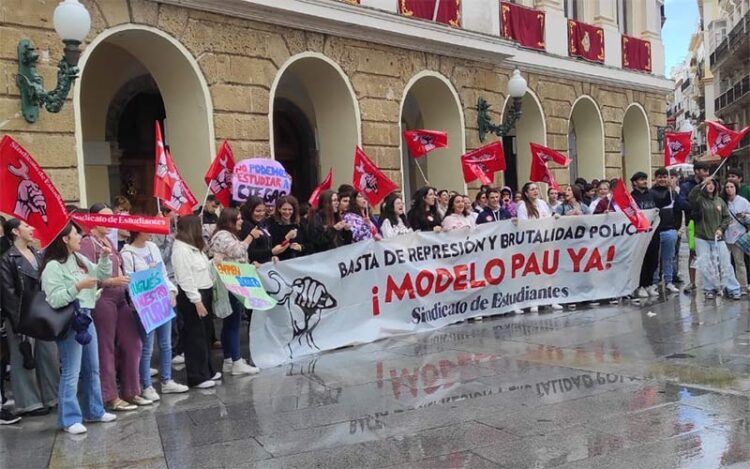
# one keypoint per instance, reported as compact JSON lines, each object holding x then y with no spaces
{"x":421,"y":142}
{"x":181,"y":199}
{"x":219,"y":175}
{"x":27,"y":193}
{"x":369,"y":179}
{"x":136,"y":223}
{"x":474,"y":171}
{"x":324,"y":186}
{"x":488,"y":160}
{"x":624,"y":200}
{"x":722,"y":141}
{"x":548,"y":154}
{"x":677,"y":147}
{"x":539,"y":170}
{"x":164,"y":166}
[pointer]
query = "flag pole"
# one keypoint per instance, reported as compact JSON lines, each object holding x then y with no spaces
{"x":435,"y":11}
{"x":158,"y":206}
{"x":723,"y":160}
{"x":419,"y":167}
{"x":205,"y":199}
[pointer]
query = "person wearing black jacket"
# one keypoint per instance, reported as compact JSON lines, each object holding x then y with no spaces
{"x":645,"y":200}
{"x":326,"y":230}
{"x":493,"y":211}
{"x":253,"y":213}
{"x":423,"y":215}
{"x":664,"y":199}
{"x":700,"y":170}
{"x":34,"y":363}
{"x":288,"y":237}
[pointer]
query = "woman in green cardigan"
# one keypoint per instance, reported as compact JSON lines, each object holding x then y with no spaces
{"x":68,"y":276}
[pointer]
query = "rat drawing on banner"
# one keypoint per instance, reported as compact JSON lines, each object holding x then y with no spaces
{"x":309,"y":298}
{"x":30,"y":198}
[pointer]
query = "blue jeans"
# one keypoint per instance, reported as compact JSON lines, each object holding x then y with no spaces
{"x":668,"y":243}
{"x":715,"y":267}
{"x":164,"y":333}
{"x":79,"y":361}
{"x":230,"y":329}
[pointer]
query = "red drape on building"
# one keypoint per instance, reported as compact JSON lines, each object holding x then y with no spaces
{"x":636,"y":54}
{"x":524,"y":25}
{"x":449,"y":12}
{"x":585,"y":41}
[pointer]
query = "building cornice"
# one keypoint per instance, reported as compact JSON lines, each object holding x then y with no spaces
{"x":381,"y":27}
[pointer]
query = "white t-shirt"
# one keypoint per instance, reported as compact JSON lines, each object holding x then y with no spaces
{"x":541,"y":207}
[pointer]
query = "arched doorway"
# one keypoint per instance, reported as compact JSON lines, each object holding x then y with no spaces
{"x":636,"y":142}
{"x":131,"y":76}
{"x":586,"y":140}
{"x":431,"y":102}
{"x":314,"y":120}
{"x":530,"y":128}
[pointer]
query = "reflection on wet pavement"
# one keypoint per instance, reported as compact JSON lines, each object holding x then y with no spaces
{"x":610,"y":386}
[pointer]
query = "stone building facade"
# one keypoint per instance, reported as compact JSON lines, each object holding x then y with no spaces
{"x":305,"y":81}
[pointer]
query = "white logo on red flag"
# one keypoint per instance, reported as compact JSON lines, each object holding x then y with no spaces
{"x":219,"y":175}
{"x":169,"y":186}
{"x":483,"y":162}
{"x":27,"y":193}
{"x":369,"y":179}
{"x":421,"y":141}
{"x":677,"y":147}
{"x":723,"y":141}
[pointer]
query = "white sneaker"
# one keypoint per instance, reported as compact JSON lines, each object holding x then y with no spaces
{"x":206,"y":384}
{"x":653,"y":290}
{"x":641,"y":293}
{"x":173,"y":387}
{"x":241,"y":367}
{"x":75,"y":429}
{"x":226,"y":367}
{"x":140,"y":401}
{"x":518,"y":311}
{"x":107,"y":417}
{"x":154,"y":371}
{"x":534,"y":309}
{"x":178,"y":359}
{"x":671,"y":288}
{"x":150,"y":394}
{"x":216,"y":376}
{"x":556,"y":307}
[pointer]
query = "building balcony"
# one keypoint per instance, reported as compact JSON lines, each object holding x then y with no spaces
{"x":738,"y":94}
{"x":734,"y":47}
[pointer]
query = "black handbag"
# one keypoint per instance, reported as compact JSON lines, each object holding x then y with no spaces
{"x":41,"y":321}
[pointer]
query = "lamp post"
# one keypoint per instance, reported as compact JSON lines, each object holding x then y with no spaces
{"x":516,"y":89}
{"x":72,"y":23}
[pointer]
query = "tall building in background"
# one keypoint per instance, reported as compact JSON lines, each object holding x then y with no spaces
{"x":305,"y":81}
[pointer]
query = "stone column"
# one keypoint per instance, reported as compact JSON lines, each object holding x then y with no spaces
{"x":605,"y":16}
{"x":555,"y":26}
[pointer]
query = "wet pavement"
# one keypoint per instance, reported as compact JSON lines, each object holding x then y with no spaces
{"x":663,"y":384}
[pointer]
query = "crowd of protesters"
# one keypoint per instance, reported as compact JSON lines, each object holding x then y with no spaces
{"x":109,"y":356}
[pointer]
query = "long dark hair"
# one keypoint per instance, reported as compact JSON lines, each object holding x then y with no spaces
{"x":353,"y":208}
{"x":7,"y":240}
{"x":249,"y":207}
{"x":577,"y":194}
{"x":280,"y":202}
{"x":420,"y":207}
{"x":388,"y":210}
{"x":530,"y":206}
{"x":190,"y":231}
{"x":325,"y":209}
{"x":723,"y":196}
{"x":99,"y":206}
{"x":228,"y":221}
{"x":58,"y":251}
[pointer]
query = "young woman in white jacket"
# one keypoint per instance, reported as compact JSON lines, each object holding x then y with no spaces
{"x":194,"y":279}
{"x":138,"y":255}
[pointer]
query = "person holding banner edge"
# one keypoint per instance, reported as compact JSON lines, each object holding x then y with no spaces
{"x":288,"y":236}
{"x":119,"y":330}
{"x":68,"y":276}
{"x":226,"y":246}
{"x":138,"y":255}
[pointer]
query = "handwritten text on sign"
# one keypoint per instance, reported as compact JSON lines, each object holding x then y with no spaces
{"x":262,"y":177}
{"x":151,"y":298}
{"x":242,"y":280}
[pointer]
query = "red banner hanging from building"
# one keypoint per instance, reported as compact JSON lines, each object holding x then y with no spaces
{"x":636,"y":54}
{"x":442,"y":11}
{"x":585,"y":41}
{"x":523,"y":25}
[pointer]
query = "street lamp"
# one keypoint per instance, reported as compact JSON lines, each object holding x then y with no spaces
{"x":516,"y":89}
{"x":72,"y":23}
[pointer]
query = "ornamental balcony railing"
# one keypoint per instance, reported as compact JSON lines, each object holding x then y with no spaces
{"x":732,"y":41}
{"x":733,"y":94}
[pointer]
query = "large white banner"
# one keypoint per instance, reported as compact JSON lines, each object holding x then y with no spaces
{"x":424,"y":281}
